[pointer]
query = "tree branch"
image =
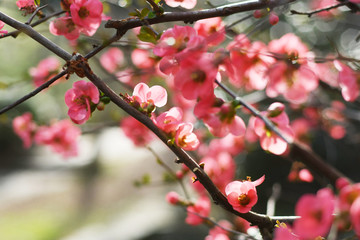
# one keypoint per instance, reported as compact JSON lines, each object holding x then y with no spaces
{"x":33,"y":93}
{"x":192,"y":16}
{"x":28,"y":30}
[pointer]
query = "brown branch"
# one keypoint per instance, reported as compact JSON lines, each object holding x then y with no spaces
{"x":16,"y":33}
{"x":218,"y":197}
{"x":33,"y":93}
{"x":192,"y":16}
{"x":309,"y":14}
{"x":28,"y":30}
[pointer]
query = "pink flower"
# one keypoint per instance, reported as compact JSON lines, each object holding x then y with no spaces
{"x":316,"y":212}
{"x":25,"y":128}
{"x":79,"y":100}
{"x":355,"y":216}
{"x":172,"y":197}
{"x":284,"y":233}
{"x":242,"y":195}
{"x":291,"y":76}
{"x":65,"y":26}
{"x":218,"y":233}
{"x":177,"y":39}
{"x":45,"y":70}
{"x":202,"y":208}
{"x":112,"y":59}
{"x":212,"y":29}
{"x":273,"y":18}
{"x":348,"y":81}
{"x":169,"y":121}
{"x":188,"y":4}
{"x":28,"y":6}
{"x":136,"y":131}
{"x":156,"y":95}
{"x":185,"y":138}
{"x":347,"y":196}
{"x":354,"y":1}
{"x":61,"y":136}
{"x":87,"y":14}
{"x":195,"y":77}
{"x":270,"y":141}
{"x":2,"y":24}
{"x":220,"y":117}
{"x":142,"y":59}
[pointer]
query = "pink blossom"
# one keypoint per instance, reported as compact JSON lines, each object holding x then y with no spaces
{"x":301,"y":128}
{"x":212,"y":29}
{"x":284,"y":233}
{"x":28,"y":6}
{"x":269,"y":140}
{"x":45,"y":70}
{"x":220,"y":168}
{"x":79,"y":100}
{"x":87,"y":14}
{"x":347,"y":196}
{"x":172,"y":197}
{"x":219,"y":117}
{"x":188,"y":4}
{"x":136,"y":131}
{"x":202,"y":208}
{"x":292,"y":76}
{"x":354,"y":1}
{"x":142,"y":59}
{"x":242,"y":195}
{"x":177,"y":39}
{"x":61,"y":136}
{"x":155,"y":95}
{"x":169,"y":121}
{"x":65,"y":26}
{"x":112,"y":59}
{"x":25,"y":128}
{"x":196,"y":76}
{"x":219,"y":233}
{"x":248,"y":65}
{"x":273,"y":18}
{"x":348,"y":81}
{"x":316,"y":212}
{"x":2,"y":24}
{"x":355,"y":216}
{"x":185,"y":138}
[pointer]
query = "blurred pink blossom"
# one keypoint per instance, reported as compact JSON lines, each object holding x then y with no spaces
{"x":25,"y":128}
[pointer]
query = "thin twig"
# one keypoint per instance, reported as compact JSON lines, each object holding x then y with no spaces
{"x":309,"y":14}
{"x":16,"y":33}
{"x":162,"y":163}
{"x":33,"y":93}
{"x":155,"y":7}
{"x":34,"y":13}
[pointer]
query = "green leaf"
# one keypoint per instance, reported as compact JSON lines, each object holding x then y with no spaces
{"x":157,"y":1}
{"x":151,"y":14}
{"x":134,"y":14}
{"x":147,"y":35}
{"x":144,"y":12}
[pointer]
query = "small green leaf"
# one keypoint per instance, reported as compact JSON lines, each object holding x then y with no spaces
{"x":151,"y":14}
{"x":134,"y":14}
{"x":157,"y":1}
{"x":147,"y":35}
{"x":144,"y":12}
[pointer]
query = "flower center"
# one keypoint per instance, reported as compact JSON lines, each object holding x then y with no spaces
{"x":244,"y":199}
{"x":83,"y":13}
{"x":198,"y":76}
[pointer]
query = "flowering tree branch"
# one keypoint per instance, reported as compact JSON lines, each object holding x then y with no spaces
{"x":307,"y":155}
{"x":309,"y":14}
{"x":192,"y":16}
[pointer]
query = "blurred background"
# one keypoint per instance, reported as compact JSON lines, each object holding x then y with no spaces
{"x":114,"y":190}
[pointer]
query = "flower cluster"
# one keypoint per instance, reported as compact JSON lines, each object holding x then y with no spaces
{"x":45,"y":70}
{"x":27,"y":6}
{"x":61,"y":136}
{"x":82,"y":16}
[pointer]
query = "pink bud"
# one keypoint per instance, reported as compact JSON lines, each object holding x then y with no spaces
{"x":273,"y":18}
{"x":259,"y":13}
{"x":172,"y":198}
